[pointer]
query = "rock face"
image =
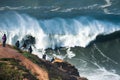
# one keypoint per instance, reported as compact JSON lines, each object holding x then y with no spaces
{"x":68,"y":69}
{"x":44,"y":70}
{"x":63,"y":69}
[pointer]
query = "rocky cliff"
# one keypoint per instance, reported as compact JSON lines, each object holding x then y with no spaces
{"x":40,"y":68}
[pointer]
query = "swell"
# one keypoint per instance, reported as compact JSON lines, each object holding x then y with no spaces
{"x":106,"y":38}
{"x":109,"y":37}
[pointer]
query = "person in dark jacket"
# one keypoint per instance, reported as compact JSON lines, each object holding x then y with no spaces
{"x":17,"y":44}
{"x":44,"y":56}
{"x":24,"y":46}
{"x":4,"y":38}
{"x":30,"y":49}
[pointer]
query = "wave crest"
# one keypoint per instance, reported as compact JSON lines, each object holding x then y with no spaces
{"x":55,"y":32}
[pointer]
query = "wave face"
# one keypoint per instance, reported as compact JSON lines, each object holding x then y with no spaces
{"x":99,"y":61}
{"x":56,"y":32}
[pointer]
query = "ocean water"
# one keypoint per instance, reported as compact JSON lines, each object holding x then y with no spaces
{"x":85,"y":33}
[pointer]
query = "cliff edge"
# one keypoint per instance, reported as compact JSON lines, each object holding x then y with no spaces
{"x":41,"y":69}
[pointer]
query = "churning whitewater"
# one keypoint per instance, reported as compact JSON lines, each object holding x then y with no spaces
{"x":55,"y":32}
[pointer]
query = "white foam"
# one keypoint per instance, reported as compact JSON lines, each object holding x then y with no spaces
{"x":14,"y":8}
{"x":81,"y":8}
{"x":25,"y":7}
{"x":104,"y":54}
{"x":105,"y":7}
{"x":70,"y":54}
{"x":55,"y":9}
{"x":108,"y":3}
{"x":96,"y":73}
{"x":101,"y":74}
{"x":56,"y":32}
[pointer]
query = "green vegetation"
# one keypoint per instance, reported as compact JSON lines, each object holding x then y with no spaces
{"x":10,"y":69}
{"x":46,"y":65}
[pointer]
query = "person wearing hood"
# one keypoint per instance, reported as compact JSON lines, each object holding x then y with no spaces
{"x":4,"y":38}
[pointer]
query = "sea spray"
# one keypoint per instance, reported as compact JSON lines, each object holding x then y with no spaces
{"x":56,"y":32}
{"x":62,"y":32}
{"x":70,"y":54}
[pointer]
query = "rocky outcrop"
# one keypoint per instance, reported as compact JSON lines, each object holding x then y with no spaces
{"x":69,"y":72}
{"x":67,"y":68}
{"x":63,"y":69}
{"x":44,"y":70}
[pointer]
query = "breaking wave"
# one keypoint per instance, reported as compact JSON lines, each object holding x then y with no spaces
{"x":55,"y":32}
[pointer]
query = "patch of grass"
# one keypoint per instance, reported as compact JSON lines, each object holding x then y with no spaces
{"x":32,"y":57}
{"x":19,"y":50}
{"x":10,"y":69}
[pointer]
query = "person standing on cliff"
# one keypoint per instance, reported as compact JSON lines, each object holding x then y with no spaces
{"x":17,"y":44}
{"x":4,"y":38}
{"x":44,"y":56}
{"x":30,"y":49}
{"x":24,"y":46}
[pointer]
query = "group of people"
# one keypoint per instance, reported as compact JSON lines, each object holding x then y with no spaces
{"x":24,"y":46}
{"x":17,"y":44}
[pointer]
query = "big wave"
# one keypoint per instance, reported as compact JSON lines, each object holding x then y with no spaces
{"x":55,"y":32}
